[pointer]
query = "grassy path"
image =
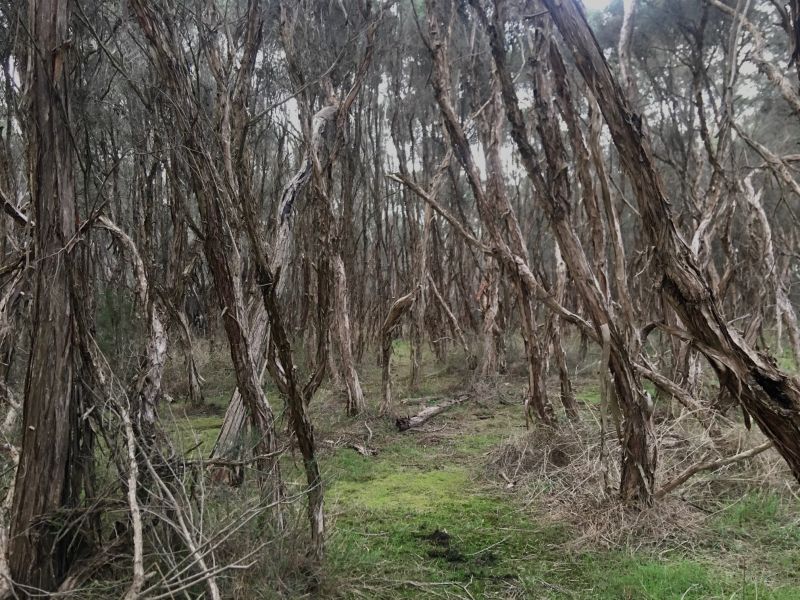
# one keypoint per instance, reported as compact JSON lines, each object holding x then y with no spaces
{"x":422,"y":519}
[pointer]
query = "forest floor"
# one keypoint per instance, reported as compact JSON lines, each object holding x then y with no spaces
{"x":455,"y":510}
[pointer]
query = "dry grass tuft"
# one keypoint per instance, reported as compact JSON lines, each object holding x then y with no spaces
{"x":564,"y":472}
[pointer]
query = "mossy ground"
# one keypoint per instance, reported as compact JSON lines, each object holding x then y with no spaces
{"x":425,"y":518}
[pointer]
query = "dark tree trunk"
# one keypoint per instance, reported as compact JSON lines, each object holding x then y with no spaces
{"x":44,"y":482}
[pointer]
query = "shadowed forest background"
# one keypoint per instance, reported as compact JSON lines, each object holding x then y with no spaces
{"x":399,"y":299}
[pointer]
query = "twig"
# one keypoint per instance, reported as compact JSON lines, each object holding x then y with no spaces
{"x":489,"y":547}
{"x":218,"y":462}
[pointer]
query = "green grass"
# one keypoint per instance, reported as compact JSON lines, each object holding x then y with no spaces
{"x":786,"y":362}
{"x":197,"y":433}
{"x":385,"y":515}
{"x":762,"y":520}
{"x":422,"y":520}
{"x":613,"y":575}
{"x":588,"y":394}
{"x":385,"y":511}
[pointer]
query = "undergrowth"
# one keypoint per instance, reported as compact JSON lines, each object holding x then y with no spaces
{"x":458,"y":510}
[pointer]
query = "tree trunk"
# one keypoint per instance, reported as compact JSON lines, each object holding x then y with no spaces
{"x":355,"y":396}
{"x":212,"y":179}
{"x":492,"y":361}
{"x":537,"y":404}
{"x":38,"y":555}
{"x":397,"y":310}
{"x":771,"y":396}
{"x":637,"y":438}
{"x":228,"y":445}
{"x":229,"y":439}
{"x":472,"y":361}
{"x":147,"y":388}
{"x":560,"y":290}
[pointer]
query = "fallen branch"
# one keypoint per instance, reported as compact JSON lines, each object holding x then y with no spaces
{"x":362,"y":449}
{"x":711,"y":465}
{"x":405,"y":423}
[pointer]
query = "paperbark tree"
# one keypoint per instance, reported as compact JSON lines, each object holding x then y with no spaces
{"x":147,"y":388}
{"x":771,"y":396}
{"x":490,"y":205}
{"x":407,"y":302}
{"x":45,"y":481}
{"x":206,"y":157}
{"x":636,"y":433}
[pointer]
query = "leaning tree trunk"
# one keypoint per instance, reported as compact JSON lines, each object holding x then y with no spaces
{"x":784,"y":311}
{"x":38,"y":555}
{"x":407,"y":302}
{"x":537,"y":404}
{"x":490,"y":203}
{"x":228,"y":445}
{"x":770,"y":395}
{"x":636,"y":432}
{"x":228,"y":441}
{"x":205,"y":155}
{"x":469,"y":357}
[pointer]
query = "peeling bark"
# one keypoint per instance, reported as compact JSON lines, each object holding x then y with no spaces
{"x":488,"y":203}
{"x":38,"y":555}
{"x":355,"y":397}
{"x":770,"y":395}
{"x":147,"y":389}
{"x":784,"y":311}
{"x":493,"y":360}
{"x":216,"y":187}
{"x":637,"y":438}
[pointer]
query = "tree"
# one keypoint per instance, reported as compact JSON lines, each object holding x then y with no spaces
{"x":770,"y":396}
{"x":49,"y":475}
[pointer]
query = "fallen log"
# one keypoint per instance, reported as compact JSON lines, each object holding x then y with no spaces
{"x":405,"y":423}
